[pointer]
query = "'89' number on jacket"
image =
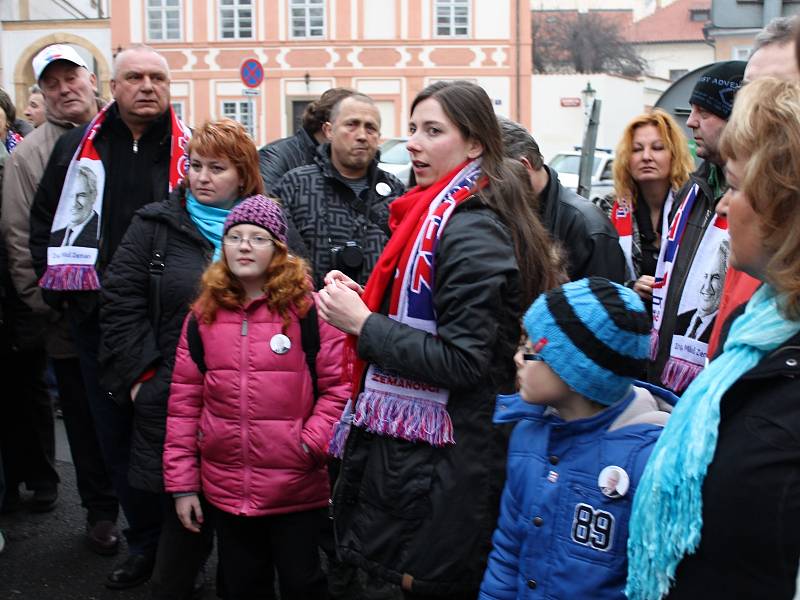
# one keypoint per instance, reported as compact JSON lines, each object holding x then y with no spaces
{"x":593,"y":528}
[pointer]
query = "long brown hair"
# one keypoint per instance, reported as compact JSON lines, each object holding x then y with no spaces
{"x":288,"y":286}
{"x":509,"y":190}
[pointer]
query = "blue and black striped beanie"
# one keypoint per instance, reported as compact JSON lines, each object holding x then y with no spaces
{"x":594,"y":334}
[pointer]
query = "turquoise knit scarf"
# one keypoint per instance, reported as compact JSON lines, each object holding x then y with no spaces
{"x":667,"y":513}
{"x":209,"y":221}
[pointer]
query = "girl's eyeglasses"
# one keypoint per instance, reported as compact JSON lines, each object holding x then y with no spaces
{"x":256,"y":241}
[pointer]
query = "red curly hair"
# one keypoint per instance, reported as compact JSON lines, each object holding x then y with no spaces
{"x":288,"y":286}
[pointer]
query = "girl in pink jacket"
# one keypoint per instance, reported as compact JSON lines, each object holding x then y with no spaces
{"x":247,"y":432}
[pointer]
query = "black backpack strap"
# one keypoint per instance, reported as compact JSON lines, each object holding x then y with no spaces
{"x":195,"y":342}
{"x":309,"y":339}
{"x":156,"y":268}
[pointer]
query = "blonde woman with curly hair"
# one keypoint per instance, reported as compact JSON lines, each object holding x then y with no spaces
{"x":246,"y":431}
{"x":717,"y":512}
{"x":652,"y":162}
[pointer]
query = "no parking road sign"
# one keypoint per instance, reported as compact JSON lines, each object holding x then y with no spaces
{"x":252,"y":73}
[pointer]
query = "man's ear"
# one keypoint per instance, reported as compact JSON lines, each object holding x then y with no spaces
{"x":526,"y":163}
{"x":327,"y":129}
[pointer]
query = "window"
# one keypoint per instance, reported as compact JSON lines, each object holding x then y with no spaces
{"x":236,"y":19}
{"x":307,"y":18}
{"x":700,"y":15}
{"x":163,"y":20}
{"x":177,"y":106}
{"x":452,"y":18}
{"x":242,"y":111}
{"x":740,"y":53}
{"x":675,"y":74}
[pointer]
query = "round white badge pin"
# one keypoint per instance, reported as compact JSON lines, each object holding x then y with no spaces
{"x":613,"y":481}
{"x":383,"y":189}
{"x":280,"y":343}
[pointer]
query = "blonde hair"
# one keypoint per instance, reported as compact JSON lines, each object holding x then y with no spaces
{"x":764,"y":134}
{"x":674,"y":141}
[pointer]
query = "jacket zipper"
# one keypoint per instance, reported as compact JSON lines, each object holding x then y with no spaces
{"x":135,"y":146}
{"x":243,"y":425}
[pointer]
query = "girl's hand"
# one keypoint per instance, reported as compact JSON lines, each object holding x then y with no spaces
{"x":189,"y":512}
{"x":644,"y":287}
{"x":341,"y":306}
{"x":334,"y":276}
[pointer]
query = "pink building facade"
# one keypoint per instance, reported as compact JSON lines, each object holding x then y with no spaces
{"x":389,"y":49}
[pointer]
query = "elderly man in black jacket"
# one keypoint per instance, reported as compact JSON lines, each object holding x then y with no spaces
{"x":585,"y":234}
{"x":281,"y":156}
{"x":135,"y":144}
{"x":338,"y":207}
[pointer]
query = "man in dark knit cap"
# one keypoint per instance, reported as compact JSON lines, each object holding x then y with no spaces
{"x":695,"y":232}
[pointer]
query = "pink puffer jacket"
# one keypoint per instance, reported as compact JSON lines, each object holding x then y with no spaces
{"x":248,"y":433}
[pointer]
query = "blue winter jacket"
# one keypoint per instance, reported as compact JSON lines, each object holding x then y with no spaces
{"x":559,"y":537}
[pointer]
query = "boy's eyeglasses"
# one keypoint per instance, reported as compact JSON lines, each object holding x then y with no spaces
{"x":531,"y":356}
{"x":256,"y":241}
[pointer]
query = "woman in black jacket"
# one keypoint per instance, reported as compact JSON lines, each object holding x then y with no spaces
{"x":717,"y":513}
{"x":147,"y":290}
{"x":433,"y":337}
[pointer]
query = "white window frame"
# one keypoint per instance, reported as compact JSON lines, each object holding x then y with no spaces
{"x":161,"y":9}
{"x":236,"y":7}
{"x":449,"y":8}
{"x":305,"y":8}
{"x":238,"y":111}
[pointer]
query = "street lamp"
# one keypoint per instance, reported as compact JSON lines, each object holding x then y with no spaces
{"x":588,"y":93}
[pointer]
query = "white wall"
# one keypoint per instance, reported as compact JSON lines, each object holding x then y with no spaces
{"x":558,"y":128}
{"x":379,"y":19}
{"x":492,"y":19}
{"x":641,"y":8}
{"x":663,"y":57}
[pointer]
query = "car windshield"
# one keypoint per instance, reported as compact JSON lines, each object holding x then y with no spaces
{"x":570,"y":163}
{"x":396,"y":154}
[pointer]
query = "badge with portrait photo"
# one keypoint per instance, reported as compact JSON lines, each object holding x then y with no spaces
{"x":613,"y":481}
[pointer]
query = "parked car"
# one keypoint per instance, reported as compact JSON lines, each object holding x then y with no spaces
{"x":395,"y":159}
{"x":568,"y":165}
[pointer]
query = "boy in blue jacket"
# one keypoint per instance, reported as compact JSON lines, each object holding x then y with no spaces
{"x":583,"y":436}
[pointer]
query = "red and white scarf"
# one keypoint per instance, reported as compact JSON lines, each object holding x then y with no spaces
{"x":622,"y":219}
{"x":72,"y":267}
{"x":687,"y":355}
{"x":390,"y":403}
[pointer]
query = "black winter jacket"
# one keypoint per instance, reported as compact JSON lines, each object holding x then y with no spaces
{"x":700,"y":217}
{"x":133,"y":179}
{"x":130,"y":342}
{"x":750,"y":541}
{"x":591,"y":243}
{"x":323,"y":211}
{"x":411,"y":513}
{"x":281,"y":156}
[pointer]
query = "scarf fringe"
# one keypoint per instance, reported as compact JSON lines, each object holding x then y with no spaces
{"x":341,"y":430}
{"x":70,"y":278}
{"x":678,"y":373}
{"x":654,"y":339}
{"x":410,"y":419}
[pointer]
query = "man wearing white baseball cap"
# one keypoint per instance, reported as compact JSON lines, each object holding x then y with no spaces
{"x":70,"y":94}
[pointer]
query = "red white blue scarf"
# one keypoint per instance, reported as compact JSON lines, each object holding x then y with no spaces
{"x":12,"y":139}
{"x":391,"y":404}
{"x":622,"y":220}
{"x":687,"y":355}
{"x":72,"y":267}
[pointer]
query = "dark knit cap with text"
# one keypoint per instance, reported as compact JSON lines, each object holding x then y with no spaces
{"x":261,"y":211}
{"x":594,"y":334}
{"x":717,"y":87}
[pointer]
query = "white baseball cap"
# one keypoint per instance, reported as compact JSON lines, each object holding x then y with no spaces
{"x":53,"y":53}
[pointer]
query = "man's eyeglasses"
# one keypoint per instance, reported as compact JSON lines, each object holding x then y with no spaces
{"x":256,"y":241}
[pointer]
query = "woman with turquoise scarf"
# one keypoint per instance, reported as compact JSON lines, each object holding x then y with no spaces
{"x":147,"y":290}
{"x":717,"y":513}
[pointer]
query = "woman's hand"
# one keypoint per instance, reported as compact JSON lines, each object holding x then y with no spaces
{"x":189,"y":512}
{"x":644,"y":287}
{"x":341,"y":306}
{"x":334,"y":276}
{"x":135,"y":390}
